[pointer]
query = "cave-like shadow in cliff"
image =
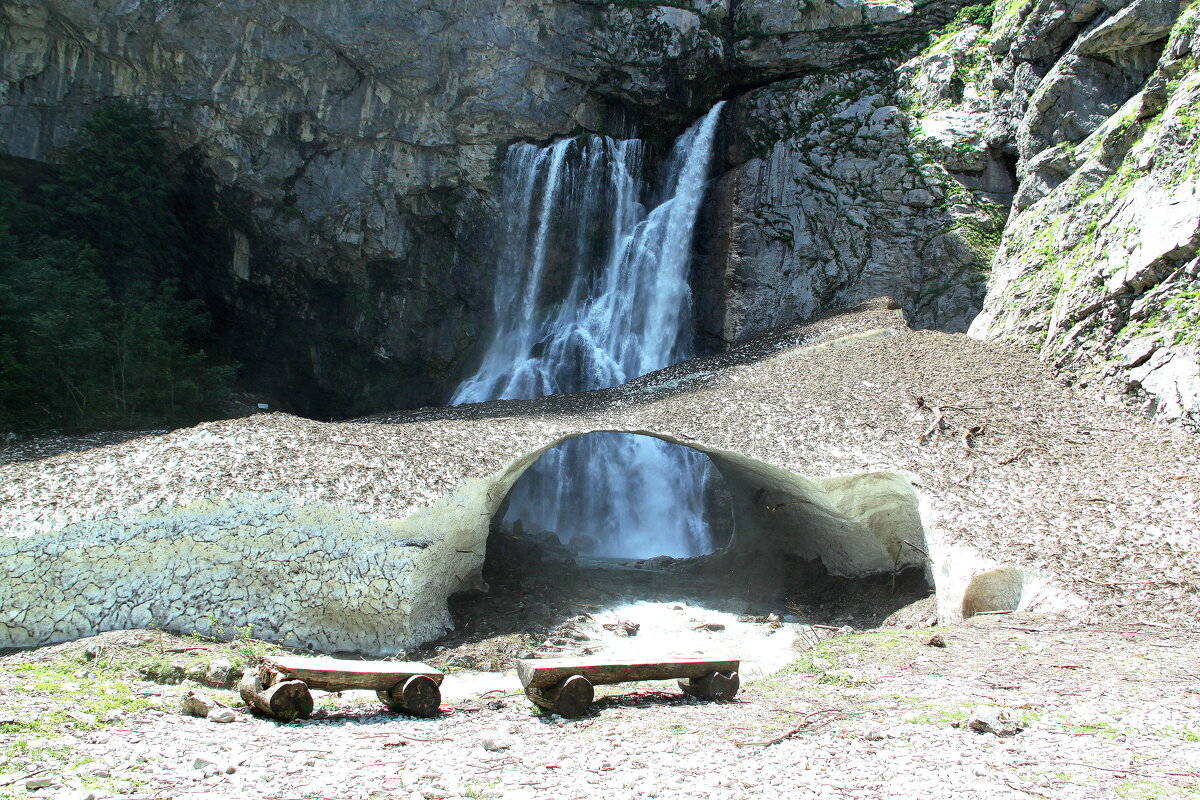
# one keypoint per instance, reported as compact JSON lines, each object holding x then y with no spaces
{"x":838,"y":551}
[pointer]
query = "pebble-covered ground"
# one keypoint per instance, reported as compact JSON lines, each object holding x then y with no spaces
{"x":1107,"y":711}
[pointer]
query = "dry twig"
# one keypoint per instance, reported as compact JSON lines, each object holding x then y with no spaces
{"x":1022,"y":451}
{"x":812,"y":722}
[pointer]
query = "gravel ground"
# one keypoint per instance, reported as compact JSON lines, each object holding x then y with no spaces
{"x":1108,"y":711}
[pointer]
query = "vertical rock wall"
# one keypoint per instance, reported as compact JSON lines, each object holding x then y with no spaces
{"x":354,"y":147}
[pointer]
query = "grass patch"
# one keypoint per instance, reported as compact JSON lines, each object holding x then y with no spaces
{"x":1144,"y":789}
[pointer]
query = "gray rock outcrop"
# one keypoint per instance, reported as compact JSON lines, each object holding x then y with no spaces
{"x":355,"y":147}
{"x":1096,"y":107}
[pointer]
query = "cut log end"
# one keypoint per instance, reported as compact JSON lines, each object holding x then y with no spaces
{"x":569,"y":698}
{"x":419,"y":696}
{"x":286,"y":700}
{"x":713,"y":686}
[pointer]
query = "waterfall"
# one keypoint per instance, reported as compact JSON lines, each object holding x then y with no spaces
{"x":591,"y":292}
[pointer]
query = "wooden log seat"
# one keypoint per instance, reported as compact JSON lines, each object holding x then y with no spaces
{"x":564,"y":685}
{"x":407,"y":686}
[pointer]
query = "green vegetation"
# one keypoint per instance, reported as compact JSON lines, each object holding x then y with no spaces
{"x":1145,"y":789}
{"x":980,"y":14}
{"x":1176,"y":322}
{"x":94,"y":329}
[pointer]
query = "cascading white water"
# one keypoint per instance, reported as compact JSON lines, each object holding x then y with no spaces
{"x":615,"y":305}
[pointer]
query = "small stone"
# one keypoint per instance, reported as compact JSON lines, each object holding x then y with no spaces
{"x":998,"y":721}
{"x":494,"y":741}
{"x":114,"y":715}
{"x":936,"y":641}
{"x":822,"y":664}
{"x":82,"y":718}
{"x":219,"y":671}
{"x":204,"y":762}
{"x":920,"y":198}
{"x":197,"y":704}
{"x":222,"y":715}
{"x":32,"y":784}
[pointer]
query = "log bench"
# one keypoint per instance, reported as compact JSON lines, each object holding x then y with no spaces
{"x":564,"y":685}
{"x":280,"y":686}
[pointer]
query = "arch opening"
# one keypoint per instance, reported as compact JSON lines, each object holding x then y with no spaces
{"x":620,"y":496}
{"x":786,"y":552}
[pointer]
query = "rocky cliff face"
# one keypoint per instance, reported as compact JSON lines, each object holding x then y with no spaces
{"x":354,"y":147}
{"x":1097,"y":104}
{"x":354,"y":150}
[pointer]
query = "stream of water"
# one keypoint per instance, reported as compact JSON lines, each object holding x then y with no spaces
{"x":592,"y":291}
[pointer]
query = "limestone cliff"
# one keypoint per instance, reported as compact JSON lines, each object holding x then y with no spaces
{"x":354,"y":147}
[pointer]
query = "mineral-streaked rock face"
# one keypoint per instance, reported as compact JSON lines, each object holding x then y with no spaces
{"x":353,"y":535}
{"x":355,"y":146}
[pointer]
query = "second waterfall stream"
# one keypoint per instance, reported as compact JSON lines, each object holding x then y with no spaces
{"x":592,"y":291}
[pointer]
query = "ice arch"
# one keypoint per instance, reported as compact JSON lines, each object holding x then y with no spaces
{"x":856,"y":525}
{"x":327,"y":577}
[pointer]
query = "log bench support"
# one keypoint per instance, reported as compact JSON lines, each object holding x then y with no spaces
{"x":282,"y":699}
{"x":280,"y":686}
{"x":565,"y":686}
{"x":418,"y":695}
{"x":568,"y":698}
